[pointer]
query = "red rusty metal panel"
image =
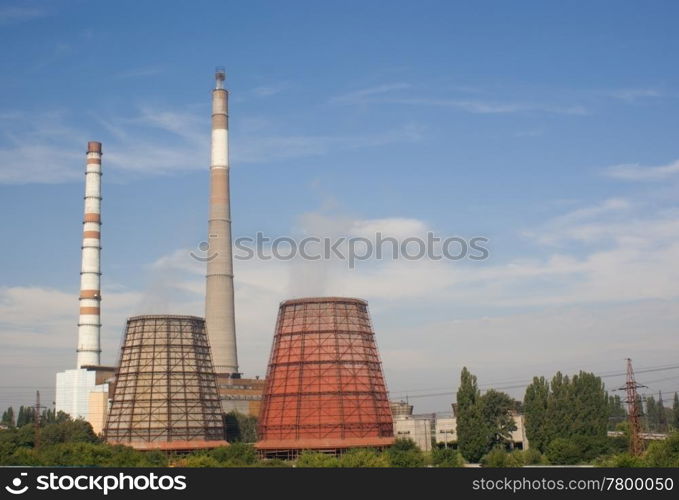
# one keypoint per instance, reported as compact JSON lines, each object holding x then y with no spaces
{"x":325,"y":387}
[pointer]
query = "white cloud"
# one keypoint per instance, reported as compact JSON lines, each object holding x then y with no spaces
{"x":633,"y":95}
{"x":359,"y":96}
{"x":14,"y":13}
{"x":385,"y":94}
{"x":152,"y":142}
{"x":637,"y":172}
{"x":38,"y":332}
{"x":43,"y":150}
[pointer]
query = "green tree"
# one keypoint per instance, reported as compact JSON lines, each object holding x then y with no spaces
{"x":235,"y":455}
{"x":663,"y":453}
{"x":498,"y":457}
{"x":559,"y":409}
{"x":8,"y":417}
{"x":496,"y":414}
{"x":651,"y":414}
{"x":616,"y":412}
{"x":535,"y":413}
{"x":25,"y":416}
{"x":577,"y":406}
{"x":69,"y":431}
{"x":363,"y":457}
{"x":200,"y":461}
{"x":472,"y":436}
{"x":316,"y":459}
{"x":240,"y":427}
{"x":563,"y":451}
{"x":589,"y":415}
{"x":447,"y":457}
{"x":405,"y":453}
{"x":95,"y":455}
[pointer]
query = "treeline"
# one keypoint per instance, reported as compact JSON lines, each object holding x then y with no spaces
{"x":67,"y":442}
{"x":484,"y":421}
{"x":26,"y":415}
{"x":403,"y":453}
{"x":566,"y":420}
{"x":657,"y":417}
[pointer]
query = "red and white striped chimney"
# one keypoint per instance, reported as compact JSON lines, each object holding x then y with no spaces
{"x":89,"y":324}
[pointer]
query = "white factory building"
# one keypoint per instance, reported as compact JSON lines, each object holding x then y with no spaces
{"x":440,"y":429}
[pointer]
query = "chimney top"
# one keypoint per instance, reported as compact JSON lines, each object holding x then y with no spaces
{"x":94,"y":147}
{"x":220,"y":76}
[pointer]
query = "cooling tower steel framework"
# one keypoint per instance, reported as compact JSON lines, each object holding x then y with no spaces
{"x":325,"y":388}
{"x":165,"y":395}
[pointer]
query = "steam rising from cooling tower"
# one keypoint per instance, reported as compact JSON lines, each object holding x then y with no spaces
{"x":89,"y":323}
{"x":219,"y":303}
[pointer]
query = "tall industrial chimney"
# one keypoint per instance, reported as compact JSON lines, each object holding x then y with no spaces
{"x":219,"y":305}
{"x":89,"y":323}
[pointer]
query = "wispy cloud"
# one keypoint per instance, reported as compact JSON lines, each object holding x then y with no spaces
{"x":390,"y":94}
{"x":633,"y":95}
{"x":15,"y":13}
{"x":45,"y":150}
{"x":266,"y":148}
{"x":490,"y":107}
{"x":637,"y":172}
{"x":360,"y":96}
{"x":155,"y":141}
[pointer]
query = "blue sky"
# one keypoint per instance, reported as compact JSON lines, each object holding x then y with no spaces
{"x":550,"y":128}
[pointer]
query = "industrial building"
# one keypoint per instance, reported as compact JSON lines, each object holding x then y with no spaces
{"x":242,"y":395}
{"x":325,"y":388}
{"x":165,"y":394}
{"x":445,"y":432}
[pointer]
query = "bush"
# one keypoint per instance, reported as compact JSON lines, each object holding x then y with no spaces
{"x":447,"y":457}
{"x":235,"y":455}
{"x":155,"y":459}
{"x":240,"y":427}
{"x":498,"y":457}
{"x":199,"y":461}
{"x":620,"y":460}
{"x":101,"y":455}
{"x":316,"y":459}
{"x":273,"y":462}
{"x":363,"y":458}
{"x":663,"y":453}
{"x":405,"y":453}
{"x":69,"y":431}
{"x":24,"y":456}
{"x":531,"y":456}
{"x":563,"y":451}
{"x":592,"y":447}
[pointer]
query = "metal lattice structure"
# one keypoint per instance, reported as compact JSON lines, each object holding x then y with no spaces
{"x":165,"y":394}
{"x":636,"y":445}
{"x":325,"y":388}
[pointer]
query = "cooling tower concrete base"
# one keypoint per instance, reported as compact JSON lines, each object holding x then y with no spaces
{"x":325,"y":388}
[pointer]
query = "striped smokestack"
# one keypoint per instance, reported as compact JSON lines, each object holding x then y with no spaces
{"x":89,"y":323}
{"x":219,"y":305}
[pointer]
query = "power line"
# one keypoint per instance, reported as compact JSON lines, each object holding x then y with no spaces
{"x":409,"y":394}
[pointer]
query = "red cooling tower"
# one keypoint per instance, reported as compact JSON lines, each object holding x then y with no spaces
{"x":324,"y":385}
